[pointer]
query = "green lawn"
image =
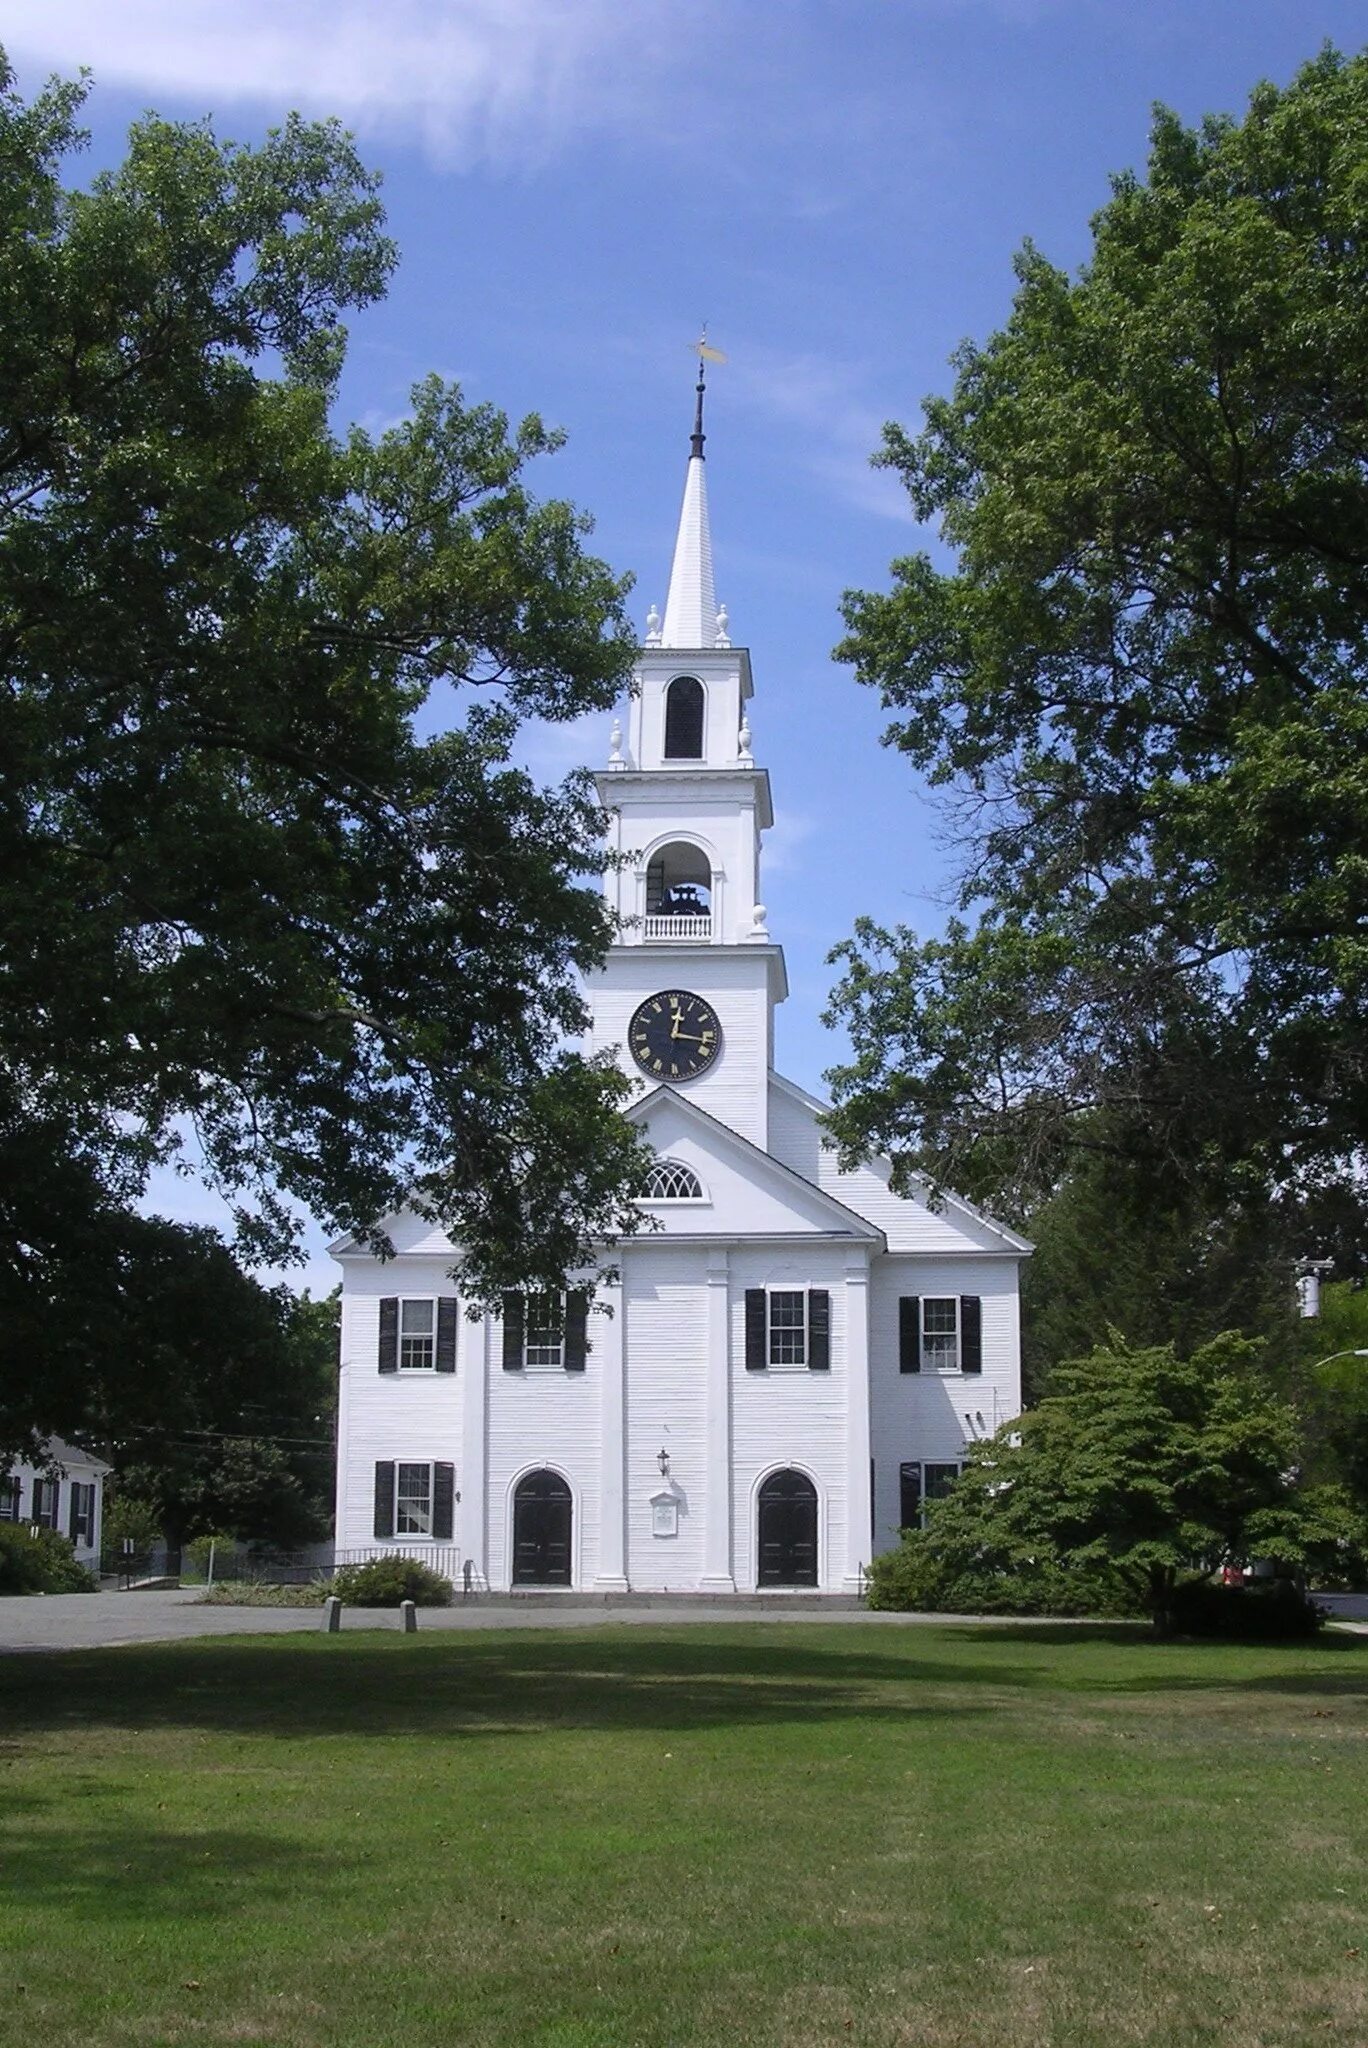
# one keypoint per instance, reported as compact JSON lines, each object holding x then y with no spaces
{"x":770,"y":1834}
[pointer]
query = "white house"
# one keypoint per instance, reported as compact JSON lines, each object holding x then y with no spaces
{"x":66,"y":1494}
{"x":793,"y":1361}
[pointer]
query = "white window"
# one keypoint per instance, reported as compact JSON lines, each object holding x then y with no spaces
{"x":82,"y":1525}
{"x":940,"y":1341}
{"x":413,"y":1500}
{"x":669,"y":1181}
{"x":544,"y":1333}
{"x":788,"y":1327}
{"x":417,"y":1336}
{"x":11,"y":1490}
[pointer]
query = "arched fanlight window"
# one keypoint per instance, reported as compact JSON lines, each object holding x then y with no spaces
{"x":684,"y":720}
{"x":668,"y":1181}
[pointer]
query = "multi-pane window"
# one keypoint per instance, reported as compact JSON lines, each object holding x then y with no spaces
{"x":668,"y":1181}
{"x":417,"y":1335}
{"x":788,"y":1327}
{"x":46,"y":1499}
{"x":82,"y":1525}
{"x":940,"y":1333}
{"x":544,"y":1333}
{"x":11,"y":1490}
{"x":413,"y":1500}
{"x":919,"y":1485}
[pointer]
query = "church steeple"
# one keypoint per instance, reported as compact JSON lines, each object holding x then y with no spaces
{"x":691,"y":607}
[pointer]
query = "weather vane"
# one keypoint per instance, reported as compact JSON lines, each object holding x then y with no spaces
{"x":704,"y":349}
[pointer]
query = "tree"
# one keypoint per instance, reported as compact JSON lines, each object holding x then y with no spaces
{"x":1144,"y":675}
{"x":1141,"y":1463}
{"x":240,"y":896}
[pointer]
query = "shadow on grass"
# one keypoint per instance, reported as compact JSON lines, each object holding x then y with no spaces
{"x":124,"y":1872}
{"x":469,"y":1685}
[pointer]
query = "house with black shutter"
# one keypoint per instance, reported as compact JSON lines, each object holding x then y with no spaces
{"x":790,"y":1363}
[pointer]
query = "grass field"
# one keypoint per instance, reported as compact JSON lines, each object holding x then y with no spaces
{"x":716,"y":1836}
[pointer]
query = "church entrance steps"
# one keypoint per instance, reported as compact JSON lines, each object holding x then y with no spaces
{"x":774,"y":1601}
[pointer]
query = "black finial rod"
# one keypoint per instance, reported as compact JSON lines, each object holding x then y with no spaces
{"x":696,"y":444}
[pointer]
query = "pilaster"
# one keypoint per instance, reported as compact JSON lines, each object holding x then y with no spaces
{"x":717,"y":1506}
{"x":473,"y":1465}
{"x":858,"y":1537}
{"x":610,"y":1350}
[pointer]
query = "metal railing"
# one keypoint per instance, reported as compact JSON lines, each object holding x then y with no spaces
{"x":439,"y":1557}
{"x":677,"y":927}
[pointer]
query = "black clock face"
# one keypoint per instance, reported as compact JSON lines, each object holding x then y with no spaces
{"x":674,"y":1035}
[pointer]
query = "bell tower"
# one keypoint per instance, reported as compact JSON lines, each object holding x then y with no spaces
{"x":687,"y":807}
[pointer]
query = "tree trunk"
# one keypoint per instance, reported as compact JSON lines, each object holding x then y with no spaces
{"x":1161,"y":1583}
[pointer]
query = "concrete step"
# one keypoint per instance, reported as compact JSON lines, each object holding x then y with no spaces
{"x":553,"y":1596}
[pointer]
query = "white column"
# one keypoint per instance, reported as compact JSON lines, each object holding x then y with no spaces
{"x":857,"y":1543}
{"x":610,"y":1354}
{"x":717,"y":1478}
{"x":472,"y":1464}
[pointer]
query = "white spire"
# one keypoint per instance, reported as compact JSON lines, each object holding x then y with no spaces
{"x":691,"y":607}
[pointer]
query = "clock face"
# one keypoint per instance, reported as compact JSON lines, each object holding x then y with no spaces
{"x":674,"y":1035}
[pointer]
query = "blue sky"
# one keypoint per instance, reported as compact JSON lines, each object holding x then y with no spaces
{"x":836,"y":186}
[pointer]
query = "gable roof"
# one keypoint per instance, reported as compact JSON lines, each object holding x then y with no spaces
{"x":954,"y":1204}
{"x":758,"y":1164}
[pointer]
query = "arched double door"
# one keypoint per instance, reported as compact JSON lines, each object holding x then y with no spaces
{"x":542,"y":1511}
{"x":787,"y":1533}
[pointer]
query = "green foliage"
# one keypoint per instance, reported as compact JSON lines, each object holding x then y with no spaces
{"x":245,"y":894}
{"x":125,"y":1515}
{"x":919,"y":1578}
{"x":256,"y":1593}
{"x":1268,"y":1611}
{"x":1144,"y":677}
{"x":385,"y":1581}
{"x":38,"y":1560}
{"x":1141,"y":1464}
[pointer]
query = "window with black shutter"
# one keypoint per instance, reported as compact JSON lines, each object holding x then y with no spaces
{"x":788,"y":1329}
{"x":384,"y":1497}
{"x":388,"y":1358}
{"x":11,"y":1495}
{"x":512,"y":1333}
{"x":447,"y":1318}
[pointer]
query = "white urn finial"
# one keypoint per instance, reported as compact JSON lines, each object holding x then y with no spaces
{"x":722,"y":639}
{"x":743,"y":741}
{"x":615,"y":759}
{"x":653,"y":627}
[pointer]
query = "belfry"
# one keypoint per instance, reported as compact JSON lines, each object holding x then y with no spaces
{"x":794,"y":1356}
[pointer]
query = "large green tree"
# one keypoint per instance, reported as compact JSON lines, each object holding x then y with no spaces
{"x":1140,"y":668}
{"x":1142,"y":1465}
{"x":240,"y":895}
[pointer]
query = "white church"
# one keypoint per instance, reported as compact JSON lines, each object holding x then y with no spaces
{"x":792,"y":1361}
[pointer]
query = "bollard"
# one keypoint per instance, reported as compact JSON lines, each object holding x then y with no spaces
{"x":410,"y":1614}
{"x":332,"y":1614}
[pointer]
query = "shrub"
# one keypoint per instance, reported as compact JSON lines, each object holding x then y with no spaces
{"x":35,"y":1560}
{"x":256,"y":1593}
{"x":915,"y":1579}
{"x":1268,"y":1611}
{"x":385,"y":1581}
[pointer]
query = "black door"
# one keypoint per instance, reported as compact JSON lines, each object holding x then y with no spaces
{"x":788,"y":1531}
{"x":541,"y":1531}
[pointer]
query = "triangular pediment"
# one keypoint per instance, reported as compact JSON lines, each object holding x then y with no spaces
{"x":747,"y":1193}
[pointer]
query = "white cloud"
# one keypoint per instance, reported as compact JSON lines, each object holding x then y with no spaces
{"x":476,"y":78}
{"x":835,"y":427}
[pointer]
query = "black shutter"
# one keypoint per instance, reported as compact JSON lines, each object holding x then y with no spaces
{"x":74,"y":1516}
{"x":446,"y":1333}
{"x":909,"y":1496}
{"x":909,"y":1333}
{"x":384,"y":1497}
{"x":756,"y":1329}
{"x":576,"y":1329}
{"x":513,"y":1333}
{"x":971,"y":1333}
{"x":389,"y":1333}
{"x":819,"y":1330}
{"x":443,"y":1501}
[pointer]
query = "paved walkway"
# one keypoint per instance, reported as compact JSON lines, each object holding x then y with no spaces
{"x":97,"y":1620}
{"x":92,"y":1621}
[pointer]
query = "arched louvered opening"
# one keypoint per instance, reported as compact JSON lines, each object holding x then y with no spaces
{"x":678,"y":893}
{"x":684,"y":702}
{"x":671,"y":1181}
